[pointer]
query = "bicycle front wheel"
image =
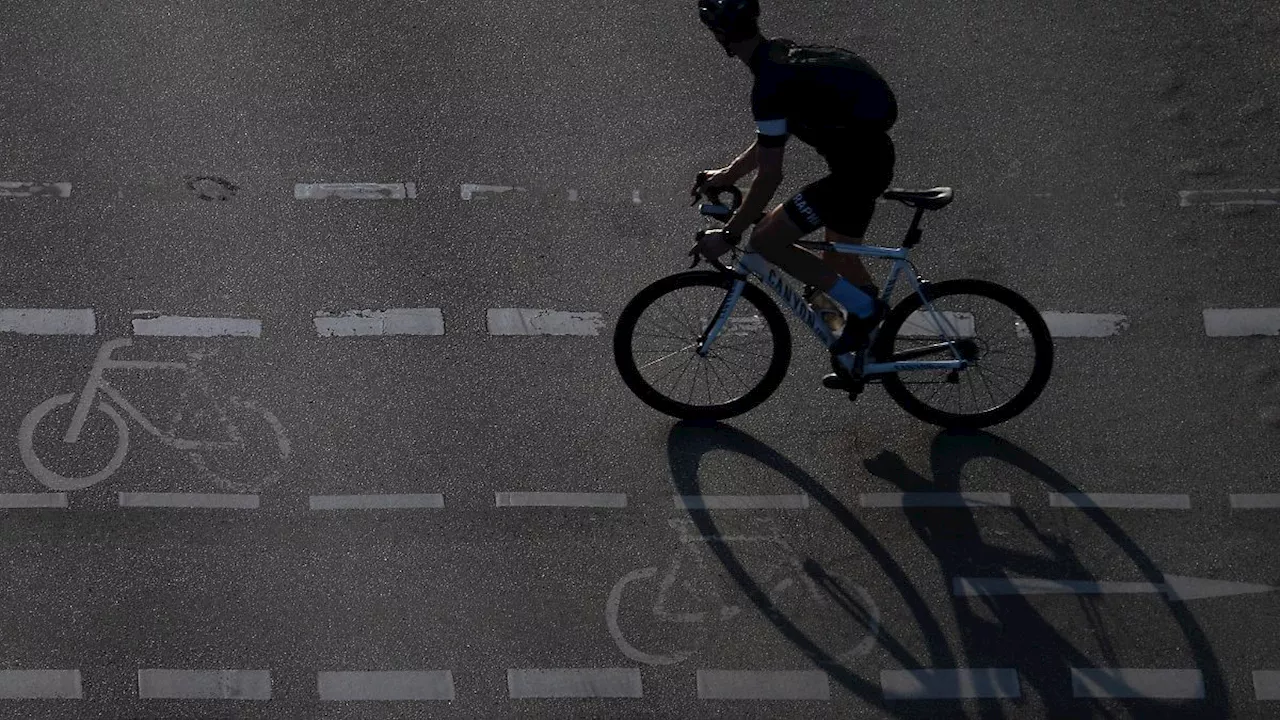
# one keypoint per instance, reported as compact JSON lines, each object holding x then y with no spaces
{"x":655,"y":346}
{"x":996,"y":331}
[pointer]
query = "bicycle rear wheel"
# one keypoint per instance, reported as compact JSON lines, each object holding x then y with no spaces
{"x":657,"y":336}
{"x":999,"y":333}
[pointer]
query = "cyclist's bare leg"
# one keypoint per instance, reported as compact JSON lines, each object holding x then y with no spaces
{"x":849,"y":266}
{"x":774,"y":237}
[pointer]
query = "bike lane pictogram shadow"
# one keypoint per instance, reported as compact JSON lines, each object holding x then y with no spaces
{"x":1019,"y":634}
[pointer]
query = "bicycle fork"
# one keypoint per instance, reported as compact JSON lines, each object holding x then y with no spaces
{"x":721,"y":317}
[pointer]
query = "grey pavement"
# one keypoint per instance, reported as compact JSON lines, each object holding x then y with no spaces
{"x":1068,"y":131}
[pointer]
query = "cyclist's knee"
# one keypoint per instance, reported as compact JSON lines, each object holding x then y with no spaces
{"x":774,"y":233}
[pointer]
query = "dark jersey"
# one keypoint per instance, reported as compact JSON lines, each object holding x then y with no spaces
{"x":828,"y":97}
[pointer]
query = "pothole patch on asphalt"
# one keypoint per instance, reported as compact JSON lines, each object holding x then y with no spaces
{"x":212,"y":188}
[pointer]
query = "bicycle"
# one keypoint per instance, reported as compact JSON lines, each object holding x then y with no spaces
{"x":233,"y":415}
{"x":934,"y":338}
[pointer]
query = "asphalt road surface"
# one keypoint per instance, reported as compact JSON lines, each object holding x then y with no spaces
{"x":334,"y":485}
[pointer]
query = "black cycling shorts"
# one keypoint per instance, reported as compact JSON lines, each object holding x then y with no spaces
{"x":845,"y":200}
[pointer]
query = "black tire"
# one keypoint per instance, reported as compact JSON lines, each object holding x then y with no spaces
{"x":1037,"y":339}
{"x":624,"y":346}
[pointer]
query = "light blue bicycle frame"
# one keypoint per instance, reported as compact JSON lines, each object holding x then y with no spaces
{"x":751,"y":263}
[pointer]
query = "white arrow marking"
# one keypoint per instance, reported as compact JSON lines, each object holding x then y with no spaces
{"x":1174,"y":587}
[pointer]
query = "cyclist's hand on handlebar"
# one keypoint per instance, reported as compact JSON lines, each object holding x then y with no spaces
{"x":714,"y":243}
{"x":709,"y":180}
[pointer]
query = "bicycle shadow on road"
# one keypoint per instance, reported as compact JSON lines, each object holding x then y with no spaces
{"x":1018,"y":637}
{"x":1009,"y":627}
{"x":687,"y":443}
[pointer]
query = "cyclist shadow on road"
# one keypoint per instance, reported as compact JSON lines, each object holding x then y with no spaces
{"x":994,"y":631}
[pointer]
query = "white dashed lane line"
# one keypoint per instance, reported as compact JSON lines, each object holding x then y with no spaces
{"x":1240,"y":196}
{"x":41,"y":685}
{"x":1255,"y":501}
{"x":204,"y":684}
{"x":935,"y":500}
{"x":1218,"y":322}
{"x":560,"y":499}
{"x":1241,"y":322}
{"x":742,"y":502}
{"x":474,"y":191}
{"x":33,"y":500}
{"x":1081,"y":325}
{"x":376,"y":502}
{"x":949,"y":683}
{"x":180,"y":326}
{"x":395,"y":321}
{"x":527,"y":321}
{"x":1266,"y":684}
{"x":398,"y":685}
{"x":575,"y":683}
{"x":23,"y":189}
{"x":1137,"y":683}
{"x":763,"y":685}
{"x":235,"y":501}
{"x":42,"y":321}
{"x":355,"y":191}
{"x":1133,"y":501}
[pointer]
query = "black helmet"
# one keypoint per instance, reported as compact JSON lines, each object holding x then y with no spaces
{"x":735,"y":19}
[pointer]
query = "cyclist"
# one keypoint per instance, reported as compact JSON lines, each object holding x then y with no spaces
{"x":836,"y":102}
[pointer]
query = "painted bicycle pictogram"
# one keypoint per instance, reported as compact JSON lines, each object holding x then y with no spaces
{"x":685,"y":597}
{"x":234,"y":417}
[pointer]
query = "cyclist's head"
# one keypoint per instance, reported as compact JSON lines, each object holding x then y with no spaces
{"x":732,"y":21}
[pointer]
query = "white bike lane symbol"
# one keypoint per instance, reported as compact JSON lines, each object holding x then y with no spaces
{"x":232,"y":414}
{"x":833,"y":612}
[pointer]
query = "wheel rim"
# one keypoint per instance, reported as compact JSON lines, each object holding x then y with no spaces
{"x":665,"y":340}
{"x":990,"y":336}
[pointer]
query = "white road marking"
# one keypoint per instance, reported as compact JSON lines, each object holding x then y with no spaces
{"x":1260,"y":501}
{"x":386,"y":685}
{"x":1266,"y":684}
{"x":41,"y":321}
{"x":236,"y":501}
{"x":355,"y":191}
{"x":1240,"y":322}
{"x":921,"y":324}
{"x":33,"y":500}
{"x":1077,"y":325}
{"x":1137,"y":683}
{"x":41,"y":685}
{"x":525,"y":321}
{"x":936,"y":499}
{"x":950,"y":684}
{"x":763,"y":685}
{"x":560,"y":499}
{"x":204,"y":684}
{"x":21,"y":189}
{"x":1243,"y":196}
{"x":178,"y":326}
{"x":742,"y":502}
{"x":395,"y":321}
{"x":1134,"y":501}
{"x":376,"y":502}
{"x":472,"y":191}
{"x":575,"y":683}
{"x":1174,"y":587}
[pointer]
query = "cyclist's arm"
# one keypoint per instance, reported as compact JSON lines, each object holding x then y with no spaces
{"x":743,"y":165}
{"x":768,"y":178}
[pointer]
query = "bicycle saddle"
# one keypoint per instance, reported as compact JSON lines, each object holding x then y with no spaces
{"x":930,"y":199}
